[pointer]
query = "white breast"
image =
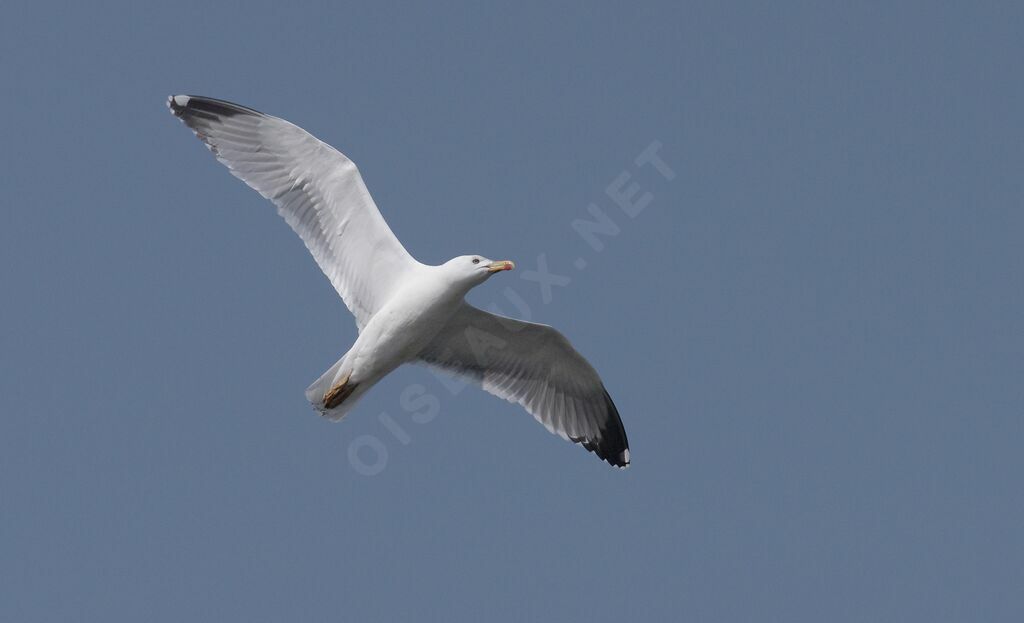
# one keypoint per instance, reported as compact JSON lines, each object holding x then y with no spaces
{"x":409,"y":320}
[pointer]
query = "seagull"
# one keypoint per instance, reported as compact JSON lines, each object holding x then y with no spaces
{"x":405,"y":311}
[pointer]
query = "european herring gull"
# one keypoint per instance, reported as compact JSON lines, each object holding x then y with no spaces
{"x":406,"y":311}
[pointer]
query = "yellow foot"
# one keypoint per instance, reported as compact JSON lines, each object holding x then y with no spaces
{"x":337,"y":394}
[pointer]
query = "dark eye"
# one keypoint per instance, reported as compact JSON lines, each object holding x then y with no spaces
{"x":476,"y":260}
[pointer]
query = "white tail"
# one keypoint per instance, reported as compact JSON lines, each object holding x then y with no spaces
{"x":316,"y":392}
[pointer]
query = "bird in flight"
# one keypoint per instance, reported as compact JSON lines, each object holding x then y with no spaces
{"x":406,"y":311}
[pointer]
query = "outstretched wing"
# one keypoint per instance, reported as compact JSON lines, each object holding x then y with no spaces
{"x":535,"y":366}
{"x":317,"y":190}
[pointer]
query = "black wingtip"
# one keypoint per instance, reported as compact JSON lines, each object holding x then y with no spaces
{"x":610,"y":445}
{"x":183,"y":105}
{"x":613,"y":445}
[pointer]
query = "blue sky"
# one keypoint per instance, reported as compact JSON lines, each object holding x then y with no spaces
{"x":812,"y":329}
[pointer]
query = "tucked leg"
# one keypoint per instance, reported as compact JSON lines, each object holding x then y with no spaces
{"x":337,"y":394}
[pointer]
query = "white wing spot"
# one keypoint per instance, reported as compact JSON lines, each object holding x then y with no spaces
{"x":181,"y":100}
